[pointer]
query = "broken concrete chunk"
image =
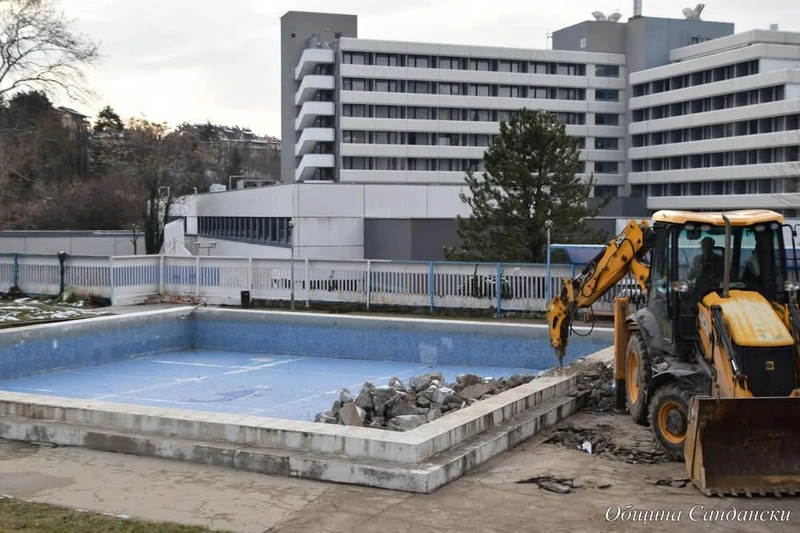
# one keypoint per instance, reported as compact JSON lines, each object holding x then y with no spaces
{"x":401,"y":404}
{"x":469,"y":379}
{"x":345,"y":396}
{"x":406,"y":422}
{"x":442,"y":394}
{"x":420,"y":383}
{"x":558,"y":488}
{"x":475,"y":391}
{"x":364,"y":399}
{"x":352,"y":415}
{"x":325,"y":418}
{"x":396,"y":384}
{"x":433,"y":414}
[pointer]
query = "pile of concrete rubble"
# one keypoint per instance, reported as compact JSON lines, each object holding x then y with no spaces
{"x":401,"y":407}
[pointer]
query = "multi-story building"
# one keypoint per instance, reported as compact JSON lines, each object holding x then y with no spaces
{"x":720,"y":126}
{"x":377,"y":135}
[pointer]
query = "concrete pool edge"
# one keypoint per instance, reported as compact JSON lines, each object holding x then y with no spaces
{"x":434,"y":454}
{"x":419,"y":460}
{"x":411,"y":446}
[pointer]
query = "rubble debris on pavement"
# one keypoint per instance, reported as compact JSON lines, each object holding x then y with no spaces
{"x":600,"y":438}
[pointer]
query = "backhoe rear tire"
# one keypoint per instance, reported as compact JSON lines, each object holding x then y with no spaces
{"x":638,"y":372}
{"x":669,"y":417}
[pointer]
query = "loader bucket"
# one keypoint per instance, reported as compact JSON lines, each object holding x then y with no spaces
{"x":744,"y":446}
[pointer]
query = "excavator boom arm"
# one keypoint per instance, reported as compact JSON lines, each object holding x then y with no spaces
{"x":620,"y":256}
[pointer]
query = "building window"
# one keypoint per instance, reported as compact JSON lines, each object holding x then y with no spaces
{"x":606,"y":167}
{"x":358,"y":137}
{"x":389,"y":111}
{"x":355,"y":163}
{"x":389,"y":86}
{"x":450,"y":88}
{"x":605,"y":191}
{"x":480,"y":64}
{"x":606,"y":143}
{"x":354,"y":84}
{"x":387,"y":60}
{"x":449,"y":63}
{"x":605,"y":119}
{"x":510,"y":66}
{"x":570,"y":94}
{"x":606,"y":95}
{"x":355,"y":110}
{"x":258,"y":230}
{"x":570,"y":69}
{"x":606,"y":71}
{"x":419,"y":62}
{"x":480,"y":90}
{"x":420,"y":87}
{"x":354,"y":58}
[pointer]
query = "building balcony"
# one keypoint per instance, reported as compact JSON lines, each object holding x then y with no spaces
{"x":310,"y":58}
{"x":309,"y":87}
{"x":310,"y":163}
{"x":310,"y":137}
{"x":310,"y":111}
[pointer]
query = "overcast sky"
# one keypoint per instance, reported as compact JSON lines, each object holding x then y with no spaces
{"x":198,"y":60}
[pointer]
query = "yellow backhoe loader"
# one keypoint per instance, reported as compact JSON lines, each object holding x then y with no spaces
{"x":710,"y":361}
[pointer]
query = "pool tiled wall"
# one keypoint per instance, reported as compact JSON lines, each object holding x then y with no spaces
{"x":441,"y":342}
{"x":52,"y":347}
{"x":76,"y":344}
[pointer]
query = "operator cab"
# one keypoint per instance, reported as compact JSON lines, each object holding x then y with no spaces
{"x":688,"y":262}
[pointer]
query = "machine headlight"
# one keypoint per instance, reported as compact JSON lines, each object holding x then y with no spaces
{"x":790,"y":286}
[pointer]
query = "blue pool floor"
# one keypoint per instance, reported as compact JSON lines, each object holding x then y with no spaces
{"x":278,"y":386}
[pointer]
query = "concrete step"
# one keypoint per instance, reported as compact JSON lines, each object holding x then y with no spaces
{"x":423,"y":477}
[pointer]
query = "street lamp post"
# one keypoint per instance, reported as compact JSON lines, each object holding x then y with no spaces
{"x":291,"y":264}
{"x":548,"y":224}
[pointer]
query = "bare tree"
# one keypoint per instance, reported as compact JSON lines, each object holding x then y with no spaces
{"x":164,"y":166}
{"x":39,"y":50}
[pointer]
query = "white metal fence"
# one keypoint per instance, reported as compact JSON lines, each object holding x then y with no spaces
{"x":221,"y":280}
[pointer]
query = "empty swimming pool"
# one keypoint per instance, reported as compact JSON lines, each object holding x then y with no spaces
{"x":270,"y":364}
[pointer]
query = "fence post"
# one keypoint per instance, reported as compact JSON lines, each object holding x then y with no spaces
{"x":16,"y":270}
{"x":111,"y":279}
{"x":250,"y":273}
{"x":197,"y":276}
{"x":499,"y":287}
{"x":161,"y":275}
{"x":431,"y":286}
{"x":369,"y":282}
{"x":308,"y":284}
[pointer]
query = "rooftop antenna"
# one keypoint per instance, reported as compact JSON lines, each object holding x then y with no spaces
{"x":693,"y":14}
{"x":598,"y":15}
{"x":615,"y":16}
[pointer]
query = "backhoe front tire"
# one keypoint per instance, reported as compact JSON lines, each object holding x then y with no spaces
{"x":638,"y":372}
{"x":669,"y":417}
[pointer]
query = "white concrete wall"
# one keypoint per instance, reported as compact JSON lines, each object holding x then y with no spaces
{"x":329,"y":217}
{"x":25,"y":242}
{"x":174,"y":240}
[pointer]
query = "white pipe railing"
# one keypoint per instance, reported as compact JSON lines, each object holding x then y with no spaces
{"x":127,"y":280}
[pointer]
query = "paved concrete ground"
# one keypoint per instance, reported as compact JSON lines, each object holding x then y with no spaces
{"x":491,"y":499}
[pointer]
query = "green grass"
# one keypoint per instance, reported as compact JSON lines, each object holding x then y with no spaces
{"x":18,"y":515}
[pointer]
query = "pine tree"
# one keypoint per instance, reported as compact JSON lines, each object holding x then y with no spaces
{"x":531,"y":175}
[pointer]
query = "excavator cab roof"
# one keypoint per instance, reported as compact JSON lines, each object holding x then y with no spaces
{"x":744,"y":217}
